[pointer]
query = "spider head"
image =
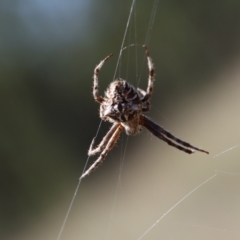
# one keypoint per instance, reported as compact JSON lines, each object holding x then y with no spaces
{"x":121,"y":102}
{"x":108,"y":111}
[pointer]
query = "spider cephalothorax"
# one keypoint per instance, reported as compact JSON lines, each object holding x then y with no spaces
{"x":121,"y":102}
{"x":123,"y":105}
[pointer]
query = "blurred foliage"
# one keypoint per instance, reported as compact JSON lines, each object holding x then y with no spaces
{"x":48,"y":52}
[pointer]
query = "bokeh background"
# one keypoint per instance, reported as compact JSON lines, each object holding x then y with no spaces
{"x":49,"y":49}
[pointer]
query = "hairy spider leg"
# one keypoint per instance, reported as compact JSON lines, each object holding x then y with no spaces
{"x":168,"y":141}
{"x":104,"y":141}
{"x":159,"y":132}
{"x":145,"y":108}
{"x":106,"y":150}
{"x":185,"y":144}
{"x":150,"y":76}
{"x":97,"y":69}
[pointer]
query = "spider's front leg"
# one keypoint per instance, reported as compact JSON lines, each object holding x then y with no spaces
{"x":104,"y":141}
{"x":145,"y":108}
{"x":150,"y":76}
{"x":95,"y":79}
{"x":112,"y":141}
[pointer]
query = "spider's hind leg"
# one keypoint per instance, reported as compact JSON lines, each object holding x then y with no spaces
{"x":167,"y":137}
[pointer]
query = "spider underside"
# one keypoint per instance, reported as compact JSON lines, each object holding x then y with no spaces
{"x":123,"y":106}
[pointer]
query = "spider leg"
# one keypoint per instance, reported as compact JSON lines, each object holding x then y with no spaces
{"x":185,"y":144}
{"x":169,"y":142}
{"x":150,"y":77}
{"x":160,"y":132}
{"x":159,"y":135}
{"x":95,"y":79}
{"x":112,"y":141}
{"x":147,"y":107}
{"x":143,"y":93}
{"x":104,"y":141}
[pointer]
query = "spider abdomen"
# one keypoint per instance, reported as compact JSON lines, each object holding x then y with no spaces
{"x":121,"y":102}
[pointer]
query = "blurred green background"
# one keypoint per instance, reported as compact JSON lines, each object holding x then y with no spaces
{"x":49,"y":49}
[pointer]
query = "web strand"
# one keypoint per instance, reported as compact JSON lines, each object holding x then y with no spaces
{"x":122,"y":158}
{"x":76,"y":191}
{"x":225,"y":151}
{"x":174,"y":206}
{"x":147,"y":39}
{"x":148,"y":34}
{"x":190,"y":193}
{"x":124,"y":37}
{"x":79,"y":182}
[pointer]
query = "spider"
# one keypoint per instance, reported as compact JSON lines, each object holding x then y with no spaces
{"x":123,"y":106}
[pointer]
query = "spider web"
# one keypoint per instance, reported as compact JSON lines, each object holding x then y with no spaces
{"x":207,"y":203}
{"x":145,"y":189}
{"x":169,"y":194}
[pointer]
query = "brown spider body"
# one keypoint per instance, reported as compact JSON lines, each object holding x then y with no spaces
{"x":123,"y":106}
{"x":122,"y":103}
